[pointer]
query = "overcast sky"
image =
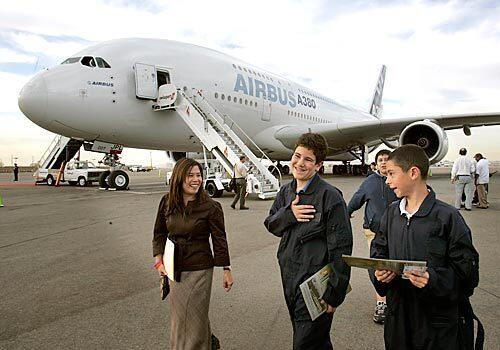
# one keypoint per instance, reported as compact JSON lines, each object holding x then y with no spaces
{"x":442,"y":56}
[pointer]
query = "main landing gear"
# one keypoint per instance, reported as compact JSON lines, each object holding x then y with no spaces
{"x":358,"y":169}
{"x":115,"y":178}
{"x":279,"y":168}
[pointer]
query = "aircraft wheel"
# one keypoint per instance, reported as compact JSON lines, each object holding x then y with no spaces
{"x":212,"y":190}
{"x":364,"y":169}
{"x":103,"y":179}
{"x":342,"y":169}
{"x":119,"y":180}
{"x":274,"y":170}
{"x":50,"y":180}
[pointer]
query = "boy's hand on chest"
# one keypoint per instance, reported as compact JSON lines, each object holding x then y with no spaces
{"x":302,"y":212}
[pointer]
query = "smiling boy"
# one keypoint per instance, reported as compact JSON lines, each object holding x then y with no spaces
{"x":423,"y":310}
{"x":310,"y":217}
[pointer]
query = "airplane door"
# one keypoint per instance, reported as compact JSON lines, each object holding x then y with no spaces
{"x":146,"y":84}
{"x":266,"y":110}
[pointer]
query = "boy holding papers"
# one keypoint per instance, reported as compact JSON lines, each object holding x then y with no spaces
{"x":422,"y":310}
{"x":310,"y":217}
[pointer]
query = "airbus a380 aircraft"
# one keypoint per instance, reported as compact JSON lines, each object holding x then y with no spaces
{"x":97,"y":94}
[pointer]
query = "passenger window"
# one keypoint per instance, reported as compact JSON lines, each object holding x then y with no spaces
{"x":241,"y":100}
{"x":88,"y":61}
{"x":246,"y":102}
{"x":229,"y":98}
{"x":216,"y":95}
{"x":235,"y":99}
{"x":222,"y":96}
{"x":255,"y":104}
{"x":101,"y":63}
{"x":251,"y":103}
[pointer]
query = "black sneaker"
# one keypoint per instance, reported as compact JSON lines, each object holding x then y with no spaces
{"x":215,"y":343}
{"x":379,"y":314}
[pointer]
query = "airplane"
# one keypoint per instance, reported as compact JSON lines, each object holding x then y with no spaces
{"x":109,"y":92}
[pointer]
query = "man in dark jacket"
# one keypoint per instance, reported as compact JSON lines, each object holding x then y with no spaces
{"x":422,"y":310}
{"x":377,"y":196}
{"x":310,"y":217}
{"x":16,"y":172}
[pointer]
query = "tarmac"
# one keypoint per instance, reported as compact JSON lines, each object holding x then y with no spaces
{"x":76,"y":271}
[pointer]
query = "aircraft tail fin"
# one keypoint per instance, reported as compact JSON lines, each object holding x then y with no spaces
{"x":376,"y":105}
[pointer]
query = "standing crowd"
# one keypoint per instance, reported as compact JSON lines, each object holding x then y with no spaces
{"x":471,"y":178}
{"x":403,"y":220}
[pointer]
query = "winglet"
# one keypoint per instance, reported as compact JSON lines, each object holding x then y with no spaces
{"x":376,"y":106}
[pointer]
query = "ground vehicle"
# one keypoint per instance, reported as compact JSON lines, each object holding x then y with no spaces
{"x":217,"y":180}
{"x":138,"y":168}
{"x":81,"y":173}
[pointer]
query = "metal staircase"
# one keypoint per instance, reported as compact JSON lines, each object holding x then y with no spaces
{"x":216,"y":133}
{"x":61,"y":149}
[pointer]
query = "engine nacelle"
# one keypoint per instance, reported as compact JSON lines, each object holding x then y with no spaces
{"x":428,"y":135}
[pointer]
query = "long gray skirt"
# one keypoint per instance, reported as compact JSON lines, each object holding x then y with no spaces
{"x":189,"y":301}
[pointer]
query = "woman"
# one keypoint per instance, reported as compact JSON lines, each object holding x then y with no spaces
{"x":189,"y":217}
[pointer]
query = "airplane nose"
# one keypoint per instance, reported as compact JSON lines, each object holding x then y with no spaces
{"x":33,"y":99}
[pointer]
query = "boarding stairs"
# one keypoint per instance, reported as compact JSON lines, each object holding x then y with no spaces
{"x":61,"y":150}
{"x":217,"y":134}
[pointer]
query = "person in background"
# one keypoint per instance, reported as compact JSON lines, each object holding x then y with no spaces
{"x":189,"y":218}
{"x":16,"y":172}
{"x":462,"y":176}
{"x":240,"y":174}
{"x":377,"y":196}
{"x":372,"y":169}
{"x":482,"y":180}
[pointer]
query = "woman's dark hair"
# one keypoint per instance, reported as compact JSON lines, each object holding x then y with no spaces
{"x":176,"y":194}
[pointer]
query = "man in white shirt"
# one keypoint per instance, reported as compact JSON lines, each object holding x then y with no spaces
{"x":482,"y":179}
{"x":240,"y":174}
{"x":462,"y":176}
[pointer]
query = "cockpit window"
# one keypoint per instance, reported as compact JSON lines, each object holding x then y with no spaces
{"x":71,"y":60}
{"x":88,"y":61}
{"x":102,"y":63}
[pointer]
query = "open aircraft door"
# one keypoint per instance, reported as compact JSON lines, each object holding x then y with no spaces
{"x":146,"y":84}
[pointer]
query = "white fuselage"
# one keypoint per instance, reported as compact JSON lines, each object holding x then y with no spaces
{"x":95,"y":103}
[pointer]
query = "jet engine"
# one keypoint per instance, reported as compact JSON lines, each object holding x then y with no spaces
{"x":428,"y":135}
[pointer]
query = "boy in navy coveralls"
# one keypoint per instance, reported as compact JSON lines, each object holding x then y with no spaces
{"x":422,"y":311}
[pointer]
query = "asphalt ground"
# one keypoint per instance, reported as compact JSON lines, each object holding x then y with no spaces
{"x":76,"y":271}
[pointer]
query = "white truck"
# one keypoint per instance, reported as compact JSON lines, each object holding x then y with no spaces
{"x":81,"y":173}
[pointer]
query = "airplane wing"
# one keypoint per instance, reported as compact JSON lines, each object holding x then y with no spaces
{"x":344,"y":136}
